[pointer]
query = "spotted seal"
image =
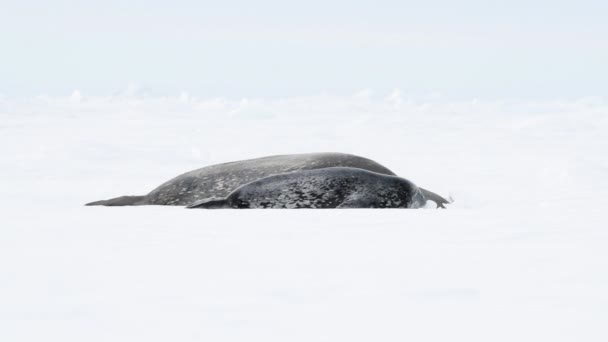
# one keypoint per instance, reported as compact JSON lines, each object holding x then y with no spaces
{"x":334,"y":187}
{"x":221,"y":179}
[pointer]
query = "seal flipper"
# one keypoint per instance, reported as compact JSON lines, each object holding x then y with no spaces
{"x":435,"y":198}
{"x":356,"y":201}
{"x":210,"y":203}
{"x":351,"y":204}
{"x":120,"y":201}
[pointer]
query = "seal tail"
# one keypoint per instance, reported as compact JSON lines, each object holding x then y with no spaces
{"x":120,"y":201}
{"x":210,"y":203}
{"x":440,"y":201}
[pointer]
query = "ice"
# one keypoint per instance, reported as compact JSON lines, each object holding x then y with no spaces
{"x":519,"y":256}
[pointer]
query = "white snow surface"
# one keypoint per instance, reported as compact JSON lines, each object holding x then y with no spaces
{"x":521,"y":254}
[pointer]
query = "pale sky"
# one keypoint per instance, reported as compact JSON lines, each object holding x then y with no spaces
{"x":461,"y":49}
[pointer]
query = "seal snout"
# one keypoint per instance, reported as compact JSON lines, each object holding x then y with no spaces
{"x":119,"y":201}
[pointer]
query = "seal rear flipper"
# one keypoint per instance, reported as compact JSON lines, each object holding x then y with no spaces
{"x":440,"y":201}
{"x":120,"y":201}
{"x":210,"y":203}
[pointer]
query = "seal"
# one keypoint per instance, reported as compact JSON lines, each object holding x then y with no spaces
{"x":221,"y":179}
{"x":334,"y":187}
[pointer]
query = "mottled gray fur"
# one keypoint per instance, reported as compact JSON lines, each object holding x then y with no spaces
{"x":221,"y":179}
{"x":334,"y":187}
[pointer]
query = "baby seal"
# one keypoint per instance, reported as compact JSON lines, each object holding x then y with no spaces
{"x":334,"y":187}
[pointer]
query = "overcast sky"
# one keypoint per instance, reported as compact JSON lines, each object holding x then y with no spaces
{"x":460,"y":49}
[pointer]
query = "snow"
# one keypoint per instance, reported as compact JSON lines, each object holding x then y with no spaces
{"x":520,"y":255}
